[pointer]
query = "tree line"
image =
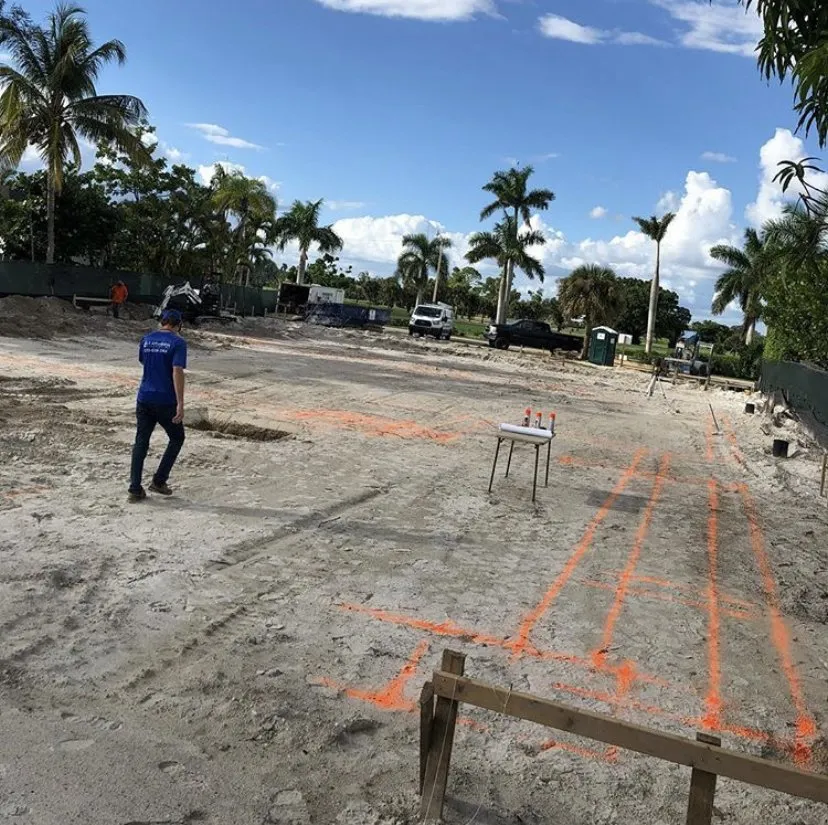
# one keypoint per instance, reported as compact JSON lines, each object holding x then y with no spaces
{"x":135,"y":211}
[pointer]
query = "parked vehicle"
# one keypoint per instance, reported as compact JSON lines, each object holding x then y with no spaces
{"x":432,"y":319}
{"x":296,"y":297}
{"x":525,"y":333}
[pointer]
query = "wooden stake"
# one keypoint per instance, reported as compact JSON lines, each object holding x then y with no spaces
{"x":718,"y":428}
{"x":442,"y":741}
{"x":702,"y":789}
{"x":426,"y":722}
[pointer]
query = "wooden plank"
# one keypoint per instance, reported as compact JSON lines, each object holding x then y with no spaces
{"x":612,"y":731}
{"x":442,"y":741}
{"x":702,"y":789}
{"x":426,"y":722}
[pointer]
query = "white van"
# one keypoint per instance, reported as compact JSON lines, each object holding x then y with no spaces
{"x":432,"y":319}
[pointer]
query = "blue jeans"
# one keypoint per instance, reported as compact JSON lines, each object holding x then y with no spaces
{"x":148,"y":416}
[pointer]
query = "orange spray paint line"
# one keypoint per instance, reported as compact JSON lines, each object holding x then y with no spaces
{"x":713,"y":699}
{"x":627,"y":575}
{"x":806,"y":729}
{"x":710,"y":453}
{"x":452,"y":630}
{"x":391,"y":697}
{"x":521,"y":642}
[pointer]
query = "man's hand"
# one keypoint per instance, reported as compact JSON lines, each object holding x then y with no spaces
{"x":179,"y":414}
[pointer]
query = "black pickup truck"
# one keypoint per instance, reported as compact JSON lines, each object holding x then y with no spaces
{"x":531,"y":334}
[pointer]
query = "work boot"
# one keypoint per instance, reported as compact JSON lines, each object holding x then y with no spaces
{"x":134,"y":498}
{"x":162,"y":488}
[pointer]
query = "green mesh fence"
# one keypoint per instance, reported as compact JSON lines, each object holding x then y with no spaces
{"x":62,"y":281}
{"x":805,"y":388}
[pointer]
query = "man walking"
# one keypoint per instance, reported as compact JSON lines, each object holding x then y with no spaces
{"x":118,"y":296}
{"x":160,"y":401}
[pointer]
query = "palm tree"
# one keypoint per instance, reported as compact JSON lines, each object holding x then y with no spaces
{"x":247,"y":202}
{"x":301,"y":224}
{"x":744,"y":280}
{"x":594,"y":292}
{"x":655,"y":230}
{"x":419,"y":256}
{"x":514,"y":198}
{"x":511,"y":249}
{"x":49,"y":99}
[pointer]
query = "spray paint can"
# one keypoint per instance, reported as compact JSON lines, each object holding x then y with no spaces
{"x":538,"y":420}
{"x":552,"y":417}
{"x":527,"y":416}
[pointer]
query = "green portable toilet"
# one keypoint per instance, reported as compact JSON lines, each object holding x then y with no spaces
{"x":602,"y":344}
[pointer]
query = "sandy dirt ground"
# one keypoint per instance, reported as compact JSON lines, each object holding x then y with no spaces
{"x":251,"y":650}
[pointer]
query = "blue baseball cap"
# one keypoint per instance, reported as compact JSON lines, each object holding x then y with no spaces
{"x":171,"y":316}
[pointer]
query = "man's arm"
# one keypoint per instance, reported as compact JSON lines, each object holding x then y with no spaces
{"x":178,"y":383}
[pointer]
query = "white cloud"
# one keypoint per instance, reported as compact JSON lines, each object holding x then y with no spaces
{"x":598,"y":213}
{"x":771,"y":199}
{"x":221,"y":136}
{"x":668,"y":202}
{"x":173,"y":154}
{"x":436,"y":10}
{"x":637,"y":39}
{"x":344,"y":206}
{"x":722,"y":26}
{"x":718,"y":157}
{"x":31,"y":157}
{"x":273,"y":186}
{"x":561,"y":28}
{"x":207,"y":172}
{"x":149,"y":139}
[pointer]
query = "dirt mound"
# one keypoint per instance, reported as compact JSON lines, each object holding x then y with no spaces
{"x":24,"y":317}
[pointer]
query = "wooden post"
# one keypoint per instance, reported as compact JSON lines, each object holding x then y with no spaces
{"x":442,"y":741}
{"x":702,"y":789}
{"x":718,"y":428}
{"x":494,"y":464}
{"x":426,"y":722}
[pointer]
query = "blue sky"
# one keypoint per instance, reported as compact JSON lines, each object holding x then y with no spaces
{"x":397,"y":112}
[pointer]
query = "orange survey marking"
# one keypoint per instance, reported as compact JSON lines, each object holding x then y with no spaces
{"x":372,"y":424}
{"x":744,"y":615}
{"x":521,"y":643}
{"x":624,"y":581}
{"x":734,"y":442}
{"x":806,"y":729}
{"x":689,"y":589}
{"x":452,"y":630}
{"x":24,"y":491}
{"x":610,"y":755}
{"x":710,"y":449}
{"x":392,"y":696}
{"x":713,"y":700}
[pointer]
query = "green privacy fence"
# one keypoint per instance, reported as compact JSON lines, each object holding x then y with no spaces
{"x":63,"y":281}
{"x":805,"y":388}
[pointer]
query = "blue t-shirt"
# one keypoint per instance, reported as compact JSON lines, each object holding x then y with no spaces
{"x":159,"y":352}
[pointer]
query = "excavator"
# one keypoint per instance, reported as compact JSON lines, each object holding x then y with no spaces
{"x":194,"y":304}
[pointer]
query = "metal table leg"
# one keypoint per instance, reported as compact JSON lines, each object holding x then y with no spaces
{"x":509,"y":462}
{"x":494,"y":465}
{"x":535,"y":480}
{"x":548,"y":459}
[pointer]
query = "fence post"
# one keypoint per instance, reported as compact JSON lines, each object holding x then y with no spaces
{"x":426,"y":723}
{"x":702,"y":789}
{"x":442,"y":741}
